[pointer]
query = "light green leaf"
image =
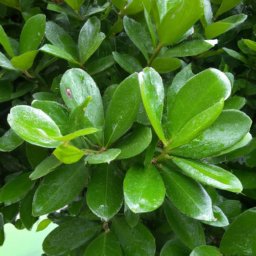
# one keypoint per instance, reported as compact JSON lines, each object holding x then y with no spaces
{"x":24,"y":61}
{"x":187,"y":195}
{"x":76,"y":134}
{"x":205,"y":250}
{"x":207,"y":17}
{"x":89,"y":39}
{"x":119,"y":118}
{"x":222,"y":26}
{"x":251,"y":44}
{"x":239,"y":239}
{"x":152,"y":92}
{"x":13,"y":191}
{"x":75,"y":4}
{"x":104,"y":157}
{"x":5,"y":62}
{"x":105,"y":191}
{"x":9,"y":141}
{"x":59,"y":188}
{"x":106,"y":244}
{"x":68,"y":154}
{"x":5,"y":42}
{"x":32,"y":33}
{"x":226,"y":5}
{"x":43,"y":225}
{"x":196,"y":106}
{"x":69,"y":236}
{"x":34,"y":126}
{"x":46,"y":166}
{"x":175,"y":247}
{"x":134,"y":143}
{"x":235,"y":102}
{"x":210,"y":175}
{"x":164,"y":64}
{"x":144,"y":189}
{"x":189,"y":231}
{"x":228,"y":129}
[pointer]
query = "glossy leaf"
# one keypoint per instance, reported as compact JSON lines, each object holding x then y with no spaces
{"x":5,"y":42}
{"x":144,"y":189}
{"x":227,"y":5}
{"x":196,"y":106}
{"x":175,"y":247}
{"x":135,"y":242}
{"x":34,"y":126}
{"x":59,"y":188}
{"x":76,"y":134}
{"x":90,"y":39}
{"x":119,"y":118}
{"x":75,"y":4}
{"x":106,"y":244}
{"x":14,"y":190}
{"x":104,"y":157}
{"x":205,"y":250}
{"x":222,"y":26}
{"x":46,"y":166}
{"x":5,"y":62}
{"x":9,"y":141}
{"x":235,"y":102}
{"x":100,"y":65}
{"x":131,"y":218}
{"x":228,"y":129}
{"x":32,"y":33}
{"x":247,"y":178}
{"x":69,"y":236}
{"x":251,"y":44}
{"x":104,"y":195}
{"x":152,"y":92}
{"x":43,"y":225}
{"x":187,"y":195}
{"x":165,"y":64}
{"x":68,"y":154}
{"x":24,"y":61}
{"x":240,"y":236}
{"x":189,"y":231}
{"x":134,"y":143}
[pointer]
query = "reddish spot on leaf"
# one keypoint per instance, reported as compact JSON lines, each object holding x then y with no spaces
{"x":68,"y":92}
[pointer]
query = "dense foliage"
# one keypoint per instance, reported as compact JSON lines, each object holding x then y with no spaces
{"x":133,"y":117}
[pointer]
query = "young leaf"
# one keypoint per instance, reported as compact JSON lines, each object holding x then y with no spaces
{"x":59,"y":188}
{"x":90,"y":39}
{"x":43,"y":225}
{"x":175,"y":247}
{"x":152,"y":92}
{"x":119,"y":118}
{"x":75,"y":4}
{"x":76,"y":134}
{"x":165,"y":64}
{"x":235,"y":102}
{"x":69,"y":236}
{"x":189,"y":231}
{"x":187,"y":195}
{"x":32,"y":33}
{"x":236,"y":55}
{"x":13,"y":191}
{"x":34,"y":126}
{"x":5,"y":42}
{"x":239,"y":239}
{"x":144,"y":189}
{"x":226,"y":5}
{"x":251,"y":44}
{"x":24,"y":61}
{"x":105,"y":191}
{"x":205,"y":250}
{"x":9,"y":141}
{"x":196,"y":106}
{"x":104,"y":157}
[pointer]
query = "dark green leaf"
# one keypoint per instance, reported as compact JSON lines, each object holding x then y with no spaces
{"x":165,"y":64}
{"x":131,"y":218}
{"x":100,"y":65}
{"x":231,"y":208}
{"x":9,"y":141}
{"x":5,"y":42}
{"x":175,"y":247}
{"x":247,"y":178}
{"x":5,"y":62}
{"x":205,"y":250}
{"x":35,"y":154}
{"x":225,"y":6}
{"x":1,"y":229}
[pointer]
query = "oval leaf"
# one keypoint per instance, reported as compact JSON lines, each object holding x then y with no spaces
{"x":104,"y":157}
{"x":205,"y":250}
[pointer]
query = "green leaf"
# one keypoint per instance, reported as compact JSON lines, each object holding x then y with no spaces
{"x":231,"y":208}
{"x":35,"y":154}
{"x":68,"y":154}
{"x":222,"y":26}
{"x":69,"y":236}
{"x":137,"y":241}
{"x":5,"y":42}
{"x":131,"y":218}
{"x":144,"y":189}
{"x":13,"y":191}
{"x":75,"y":4}
{"x":24,"y":61}
{"x":1,"y":229}
{"x":26,"y":216}
{"x":165,"y":64}
{"x":228,"y":129}
{"x":5,"y":62}
{"x":43,"y":225}
{"x":247,"y":178}
{"x":207,"y":17}
{"x":239,"y":239}
{"x":205,"y":250}
{"x":11,"y":3}
{"x":180,"y":18}
{"x":76,"y":134}
{"x":188,"y":230}
{"x":190,"y":48}
{"x":100,"y":65}
{"x":134,"y":143}
{"x":58,"y":52}
{"x":127,"y":62}
{"x":57,"y":112}
{"x":119,"y":118}
{"x":106,"y":244}
{"x":175,"y":247}
{"x":59,"y":37}
{"x":32,"y":33}
{"x":236,"y":55}
{"x":152,"y":92}
{"x":251,"y":44}
{"x":226,"y":5}
{"x":9,"y":141}
{"x":187,"y":195}
{"x":59,"y":188}
{"x":90,"y":39}
{"x":151,"y":149}
{"x":196,"y":106}
{"x":105,"y":191}
{"x":210,"y":175}
{"x":104,"y":157}
{"x":34,"y":126}
{"x":46,"y":166}
{"x":235,"y":102}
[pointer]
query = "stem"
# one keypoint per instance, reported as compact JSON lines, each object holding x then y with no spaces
{"x":27,"y":74}
{"x":161,"y":156}
{"x":158,"y":49}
